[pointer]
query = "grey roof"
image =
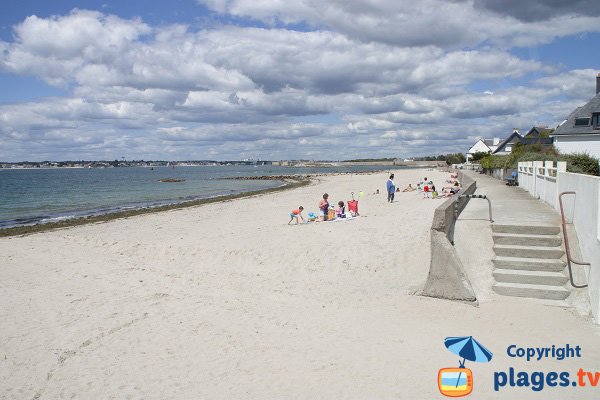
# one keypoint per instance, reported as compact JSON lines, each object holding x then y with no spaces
{"x":488,"y":142}
{"x":507,"y":141}
{"x":536,"y":131}
{"x":544,"y":141}
{"x":569,"y":128}
{"x":515,"y":138}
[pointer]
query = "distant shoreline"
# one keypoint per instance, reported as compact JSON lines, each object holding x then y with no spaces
{"x":287,"y":164}
{"x":291,"y":182}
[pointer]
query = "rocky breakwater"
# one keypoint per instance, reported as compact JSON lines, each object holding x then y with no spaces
{"x":285,"y":178}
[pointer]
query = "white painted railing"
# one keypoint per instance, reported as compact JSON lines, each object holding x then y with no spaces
{"x":539,"y":178}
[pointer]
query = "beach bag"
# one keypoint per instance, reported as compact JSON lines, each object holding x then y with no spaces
{"x":353,"y":206}
{"x":330,"y":214}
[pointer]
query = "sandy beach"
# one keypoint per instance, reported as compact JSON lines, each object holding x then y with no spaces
{"x":227,"y":301}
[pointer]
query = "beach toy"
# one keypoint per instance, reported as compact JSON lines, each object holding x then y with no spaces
{"x":457,"y":382}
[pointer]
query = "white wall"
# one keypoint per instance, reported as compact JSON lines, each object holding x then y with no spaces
{"x":476,"y":148}
{"x":479,"y":147}
{"x":583,"y":209}
{"x":578,"y":144}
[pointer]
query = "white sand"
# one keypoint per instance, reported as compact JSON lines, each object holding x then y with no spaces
{"x":226,"y":301}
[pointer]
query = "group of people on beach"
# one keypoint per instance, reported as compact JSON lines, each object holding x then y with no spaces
{"x":426,"y":186}
{"x":329,"y":212}
{"x":326,"y":212}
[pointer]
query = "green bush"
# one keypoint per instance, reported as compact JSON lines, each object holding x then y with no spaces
{"x":479,"y":155}
{"x":582,"y":163}
{"x":492,"y":162}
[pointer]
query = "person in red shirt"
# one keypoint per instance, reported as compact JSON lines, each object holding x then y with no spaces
{"x":295,"y":214}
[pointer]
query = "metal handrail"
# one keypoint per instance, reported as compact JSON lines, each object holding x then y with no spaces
{"x":474,"y":196}
{"x":566,"y":239}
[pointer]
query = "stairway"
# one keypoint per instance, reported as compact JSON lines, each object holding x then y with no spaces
{"x":529,"y":262}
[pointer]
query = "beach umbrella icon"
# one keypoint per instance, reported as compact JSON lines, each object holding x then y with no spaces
{"x":469,"y":349}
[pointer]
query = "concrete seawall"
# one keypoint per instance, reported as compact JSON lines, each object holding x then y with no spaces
{"x":447,"y":278}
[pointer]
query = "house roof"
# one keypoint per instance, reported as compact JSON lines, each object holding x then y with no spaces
{"x":488,"y":142}
{"x":536,"y":131}
{"x":569,"y":128}
{"x":507,"y":141}
{"x":515,"y":138}
{"x":534,"y":140}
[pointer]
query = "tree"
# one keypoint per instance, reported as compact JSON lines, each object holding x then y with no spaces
{"x":456,"y":158}
{"x":479,"y":155}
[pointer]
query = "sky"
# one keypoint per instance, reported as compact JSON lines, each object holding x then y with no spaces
{"x":286,"y":79}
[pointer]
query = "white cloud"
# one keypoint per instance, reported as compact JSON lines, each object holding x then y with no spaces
{"x":383,"y":78}
{"x":441,"y":23}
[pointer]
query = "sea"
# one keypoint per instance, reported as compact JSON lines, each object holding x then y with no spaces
{"x":33,"y":196}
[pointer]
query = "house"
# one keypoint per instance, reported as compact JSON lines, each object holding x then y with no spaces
{"x":580,"y":132}
{"x":482,"y":146}
{"x":505,"y":147}
{"x":539,"y":132}
{"x":536,"y":135}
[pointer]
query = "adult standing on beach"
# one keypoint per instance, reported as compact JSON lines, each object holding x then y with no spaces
{"x":323,"y":207}
{"x":391,"y":188}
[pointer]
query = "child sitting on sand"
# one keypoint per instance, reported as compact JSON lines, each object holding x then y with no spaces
{"x":340,"y":212}
{"x":295,"y":214}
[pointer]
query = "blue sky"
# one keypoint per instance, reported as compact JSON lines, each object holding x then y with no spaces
{"x":224,"y":79}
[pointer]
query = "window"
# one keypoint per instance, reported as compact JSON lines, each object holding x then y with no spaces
{"x":596,"y":120}
{"x":582,"y":121}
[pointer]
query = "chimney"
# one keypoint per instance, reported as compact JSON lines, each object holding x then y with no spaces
{"x":598,"y":84}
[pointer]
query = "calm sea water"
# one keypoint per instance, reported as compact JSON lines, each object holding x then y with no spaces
{"x":30,"y":196}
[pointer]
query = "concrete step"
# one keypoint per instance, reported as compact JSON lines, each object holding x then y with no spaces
{"x":527,"y":239}
{"x":526,"y":229}
{"x":529,"y":264}
{"x":530,"y":277}
{"x":554,"y":303}
{"x":528,"y":251}
{"x":533,"y":291}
